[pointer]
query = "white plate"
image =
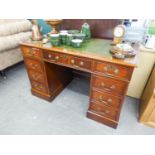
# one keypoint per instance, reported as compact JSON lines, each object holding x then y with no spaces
{"x":124,"y":47}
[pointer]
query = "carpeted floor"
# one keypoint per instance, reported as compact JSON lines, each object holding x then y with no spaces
{"x":22,"y":113}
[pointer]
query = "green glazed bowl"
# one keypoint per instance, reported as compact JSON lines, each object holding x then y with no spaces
{"x":63,"y":36}
{"x":73,"y":31}
{"x":79,"y":36}
{"x":55,"y":39}
{"x":69,"y":39}
{"x":76,"y":43}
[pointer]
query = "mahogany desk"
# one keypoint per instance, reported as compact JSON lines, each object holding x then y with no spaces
{"x":50,"y":70}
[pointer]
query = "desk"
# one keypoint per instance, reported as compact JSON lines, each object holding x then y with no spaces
{"x":50,"y":70}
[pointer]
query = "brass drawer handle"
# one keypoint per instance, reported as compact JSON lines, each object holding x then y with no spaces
{"x":113,"y":87}
{"x":57,"y":57}
{"x":102,"y":84}
{"x":116,"y":71}
{"x":106,"y":111}
{"x":38,"y":86}
{"x":105,"y":68}
{"x":112,"y":68}
{"x":73,"y":61}
{"x":64,"y":56}
{"x":106,"y":88}
{"x":31,"y":52}
{"x":81,"y":63}
{"x":33,"y":66}
{"x":36,"y":77}
{"x":109,"y":101}
{"x":49,"y":56}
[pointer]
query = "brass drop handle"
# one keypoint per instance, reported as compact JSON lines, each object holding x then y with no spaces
{"x":49,"y":56}
{"x":57,"y":57}
{"x":103,"y":112}
{"x":109,"y":101}
{"x":113,"y":87}
{"x":116,"y":71}
{"x":106,"y":112}
{"x":36,"y":77}
{"x":64,"y":56}
{"x":37,"y":85}
{"x":73,"y":61}
{"x":81,"y":63}
{"x":33,"y":66}
{"x":108,"y":89}
{"x":105,"y":68}
{"x":31,"y":52}
{"x":112,"y":68}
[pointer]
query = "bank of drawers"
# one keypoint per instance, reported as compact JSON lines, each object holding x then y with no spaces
{"x":35,"y":68}
{"x":71,"y":61}
{"x":107,"y":94}
{"x":36,"y":74}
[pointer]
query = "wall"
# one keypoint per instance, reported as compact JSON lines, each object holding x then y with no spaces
{"x":100,"y":28}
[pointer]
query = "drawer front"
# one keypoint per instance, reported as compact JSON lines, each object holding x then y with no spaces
{"x":32,"y":52}
{"x":114,"y":70}
{"x":34,"y":65}
{"x":104,"y":111}
{"x":38,"y":86}
{"x":109,"y":85}
{"x":56,"y":57}
{"x":106,"y":99}
{"x":39,"y":77}
{"x":80,"y":63}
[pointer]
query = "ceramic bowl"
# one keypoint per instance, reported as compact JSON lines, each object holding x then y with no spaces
{"x":79,"y":36}
{"x":63,"y":31}
{"x":55,"y":39}
{"x":76,"y":43}
{"x":63,"y":36}
{"x":69,"y":39}
{"x":73,"y":31}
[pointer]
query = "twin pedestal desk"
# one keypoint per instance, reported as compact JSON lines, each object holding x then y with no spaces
{"x":50,"y":70}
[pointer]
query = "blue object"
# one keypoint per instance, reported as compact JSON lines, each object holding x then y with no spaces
{"x":44,"y":27}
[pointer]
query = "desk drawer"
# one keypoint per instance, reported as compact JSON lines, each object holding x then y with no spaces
{"x":39,"y":77}
{"x":32,"y":52}
{"x":114,"y":70}
{"x":80,"y":63}
{"x":56,"y":57}
{"x":39,"y":86}
{"x":34,"y":65}
{"x":104,"y":111}
{"x":105,"y":99}
{"x":109,"y":85}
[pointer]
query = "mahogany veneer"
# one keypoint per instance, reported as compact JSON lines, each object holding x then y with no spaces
{"x":50,"y":70}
